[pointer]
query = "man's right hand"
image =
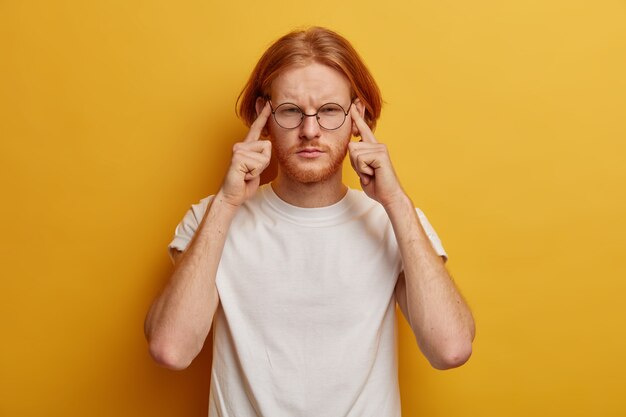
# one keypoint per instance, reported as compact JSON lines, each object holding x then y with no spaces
{"x":250,"y":158}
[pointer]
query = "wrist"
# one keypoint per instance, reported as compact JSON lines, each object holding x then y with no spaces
{"x":224,"y":204}
{"x":400,"y":201}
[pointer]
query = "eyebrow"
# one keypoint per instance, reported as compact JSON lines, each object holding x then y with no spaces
{"x":331,"y":98}
{"x":293,"y":101}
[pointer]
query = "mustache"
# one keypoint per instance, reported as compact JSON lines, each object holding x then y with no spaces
{"x":316,"y":145}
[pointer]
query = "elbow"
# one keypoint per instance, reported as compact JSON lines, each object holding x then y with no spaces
{"x":169,"y":356}
{"x":453,"y":356}
{"x":166,"y":348}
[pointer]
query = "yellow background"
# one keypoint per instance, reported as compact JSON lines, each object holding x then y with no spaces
{"x":505,"y":121}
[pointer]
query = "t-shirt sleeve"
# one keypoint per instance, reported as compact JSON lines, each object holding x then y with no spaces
{"x":189,"y":224}
{"x":432,"y":235}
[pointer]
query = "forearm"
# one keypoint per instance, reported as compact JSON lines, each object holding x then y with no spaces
{"x":180,"y":318}
{"x":438,"y":315}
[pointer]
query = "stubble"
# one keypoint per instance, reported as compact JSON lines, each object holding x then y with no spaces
{"x":303,"y":171}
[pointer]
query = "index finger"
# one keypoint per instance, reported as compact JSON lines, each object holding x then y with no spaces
{"x":364,"y":130}
{"x":259,"y":123}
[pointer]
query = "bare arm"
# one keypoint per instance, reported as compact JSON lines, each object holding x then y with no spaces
{"x":180,"y":318}
{"x":438,"y":315}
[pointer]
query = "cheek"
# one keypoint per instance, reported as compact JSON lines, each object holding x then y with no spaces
{"x":344,"y":134}
{"x":280,"y":139}
{"x":276,"y":133}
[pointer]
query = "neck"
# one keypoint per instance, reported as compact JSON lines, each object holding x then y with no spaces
{"x":309,"y":195}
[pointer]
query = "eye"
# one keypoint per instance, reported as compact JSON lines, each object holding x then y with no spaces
{"x":289,"y":110}
{"x":331,"y":109}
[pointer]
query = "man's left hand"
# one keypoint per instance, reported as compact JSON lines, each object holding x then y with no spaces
{"x":370,"y":159}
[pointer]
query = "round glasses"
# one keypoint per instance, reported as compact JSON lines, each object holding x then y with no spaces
{"x":330,"y":116}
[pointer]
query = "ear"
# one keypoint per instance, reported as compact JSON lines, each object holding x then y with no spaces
{"x":360,"y":107}
{"x":260,"y":103}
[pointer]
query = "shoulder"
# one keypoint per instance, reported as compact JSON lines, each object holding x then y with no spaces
{"x":197,"y":210}
{"x":367,"y":211}
{"x":359,"y":199}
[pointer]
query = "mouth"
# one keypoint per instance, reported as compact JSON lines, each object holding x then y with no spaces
{"x":310,"y":152}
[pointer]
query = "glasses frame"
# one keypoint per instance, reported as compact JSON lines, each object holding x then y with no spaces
{"x":316,"y":114}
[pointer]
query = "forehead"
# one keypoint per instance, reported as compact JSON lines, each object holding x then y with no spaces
{"x":313,"y":84}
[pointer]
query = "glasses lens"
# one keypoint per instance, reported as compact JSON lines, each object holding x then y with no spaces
{"x":331,"y":116}
{"x":288,"y":115}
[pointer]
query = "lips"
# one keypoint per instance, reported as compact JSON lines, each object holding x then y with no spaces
{"x":310,"y":152}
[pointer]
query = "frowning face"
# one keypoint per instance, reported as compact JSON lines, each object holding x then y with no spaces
{"x":310,"y":153}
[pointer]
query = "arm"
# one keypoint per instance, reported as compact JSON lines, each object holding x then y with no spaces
{"x":180,"y":318}
{"x":438,"y":315}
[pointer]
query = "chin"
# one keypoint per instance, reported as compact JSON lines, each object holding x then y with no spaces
{"x":310,"y":176}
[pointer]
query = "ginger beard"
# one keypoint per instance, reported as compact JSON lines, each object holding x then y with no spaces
{"x":306,"y":172}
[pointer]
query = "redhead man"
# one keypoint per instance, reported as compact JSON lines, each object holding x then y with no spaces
{"x":300,"y":277}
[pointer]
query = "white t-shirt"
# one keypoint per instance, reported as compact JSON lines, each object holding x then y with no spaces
{"x":306,"y":321}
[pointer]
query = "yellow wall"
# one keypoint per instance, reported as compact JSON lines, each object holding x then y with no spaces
{"x":506,"y":122}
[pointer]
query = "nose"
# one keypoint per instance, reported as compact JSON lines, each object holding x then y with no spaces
{"x":310,"y":128}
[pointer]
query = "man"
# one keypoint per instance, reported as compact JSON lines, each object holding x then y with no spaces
{"x":300,"y":277}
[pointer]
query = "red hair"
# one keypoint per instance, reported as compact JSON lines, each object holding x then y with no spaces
{"x":302,"y":47}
